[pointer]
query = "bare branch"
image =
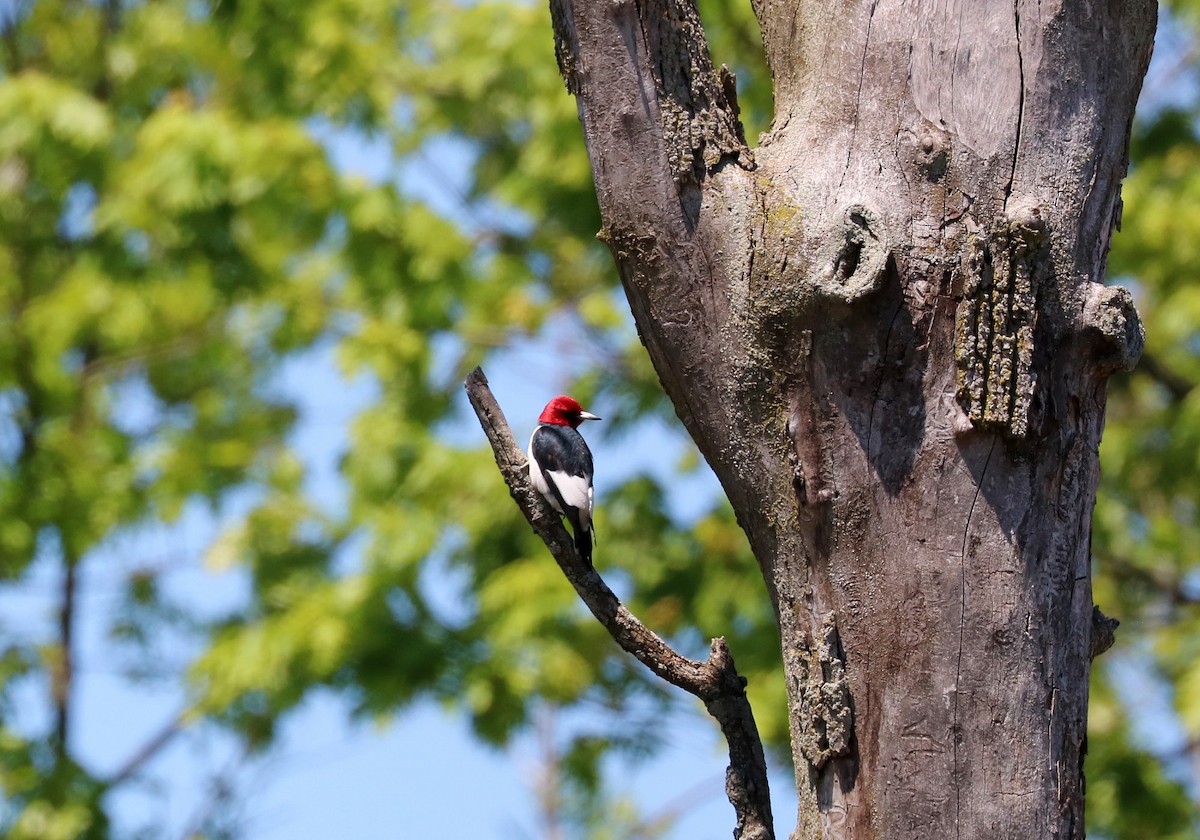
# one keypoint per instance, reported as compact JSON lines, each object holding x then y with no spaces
{"x":1178,"y":386}
{"x":149,"y":750}
{"x":63,"y":673}
{"x":1169,"y":584}
{"x":10,"y":19}
{"x":715,"y":681}
{"x":548,"y":788}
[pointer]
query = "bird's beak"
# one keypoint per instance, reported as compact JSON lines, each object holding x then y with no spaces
{"x":587,"y":415}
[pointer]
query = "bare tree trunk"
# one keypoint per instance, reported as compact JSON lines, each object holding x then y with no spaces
{"x":886,"y":331}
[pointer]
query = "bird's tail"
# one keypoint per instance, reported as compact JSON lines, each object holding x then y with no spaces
{"x":583,"y":543}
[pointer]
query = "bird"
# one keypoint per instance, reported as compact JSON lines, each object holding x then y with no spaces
{"x":560,"y":467}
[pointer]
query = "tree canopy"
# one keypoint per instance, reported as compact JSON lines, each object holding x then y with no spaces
{"x":179,"y":225}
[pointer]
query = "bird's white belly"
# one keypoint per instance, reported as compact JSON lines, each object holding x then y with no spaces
{"x":576,"y":491}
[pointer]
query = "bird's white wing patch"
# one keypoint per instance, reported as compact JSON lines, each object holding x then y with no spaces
{"x":576,"y":492}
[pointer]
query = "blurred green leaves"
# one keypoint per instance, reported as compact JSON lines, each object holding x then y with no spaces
{"x":1147,"y":520}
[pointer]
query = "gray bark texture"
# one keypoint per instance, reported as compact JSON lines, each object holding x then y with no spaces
{"x":886,"y":330}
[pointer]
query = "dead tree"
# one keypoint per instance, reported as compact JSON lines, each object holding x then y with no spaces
{"x":886,"y":329}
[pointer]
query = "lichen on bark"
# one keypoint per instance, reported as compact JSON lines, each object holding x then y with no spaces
{"x":996,"y":321}
{"x":825,"y":718}
{"x":698,"y":104}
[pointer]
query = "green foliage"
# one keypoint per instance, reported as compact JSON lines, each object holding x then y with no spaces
{"x":173,"y":229}
{"x":1147,"y":518}
{"x":1130,"y":794}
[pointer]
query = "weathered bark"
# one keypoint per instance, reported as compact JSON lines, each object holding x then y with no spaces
{"x":886,"y":331}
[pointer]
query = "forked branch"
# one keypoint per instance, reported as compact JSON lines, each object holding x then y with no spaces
{"x":715,"y":681}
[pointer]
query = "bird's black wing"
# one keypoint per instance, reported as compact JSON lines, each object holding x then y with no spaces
{"x":561,"y":449}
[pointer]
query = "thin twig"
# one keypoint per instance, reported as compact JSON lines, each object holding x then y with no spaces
{"x":654,"y":825}
{"x":1178,"y":386}
{"x":149,"y":750}
{"x":1168,"y":583}
{"x":10,"y":20}
{"x":715,"y":681}
{"x":64,"y":670}
{"x":548,"y":789}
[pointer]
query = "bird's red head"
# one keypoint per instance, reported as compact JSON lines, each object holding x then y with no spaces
{"x":564,"y":411}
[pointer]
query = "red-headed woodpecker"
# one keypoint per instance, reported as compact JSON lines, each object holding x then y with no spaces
{"x":560,"y":467}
